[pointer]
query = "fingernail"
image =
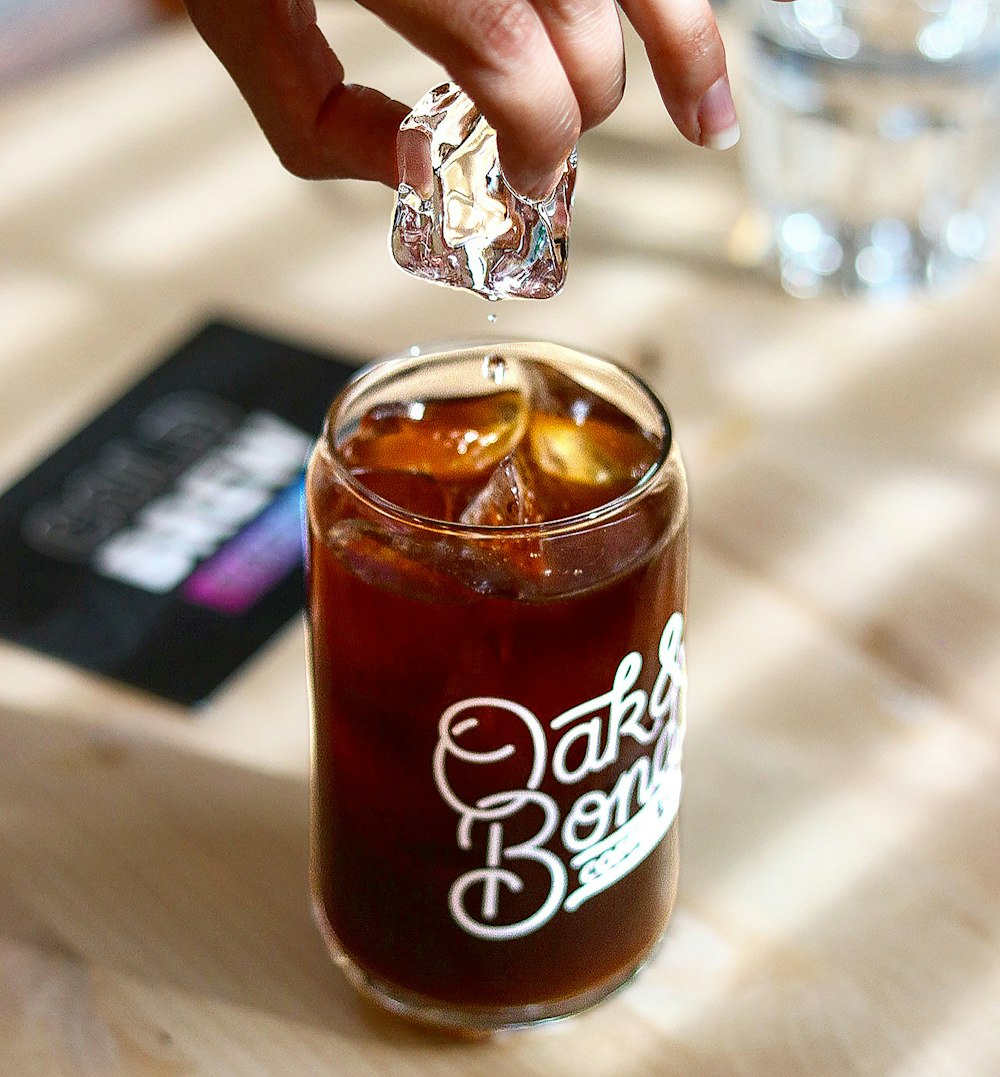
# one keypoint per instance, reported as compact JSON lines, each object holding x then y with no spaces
{"x":538,"y":187}
{"x":719,"y":129}
{"x":541,"y":191}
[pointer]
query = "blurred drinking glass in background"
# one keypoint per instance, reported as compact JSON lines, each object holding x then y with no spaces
{"x":872,"y":142}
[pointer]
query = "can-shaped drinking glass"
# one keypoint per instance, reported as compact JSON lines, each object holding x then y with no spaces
{"x":497,"y":577}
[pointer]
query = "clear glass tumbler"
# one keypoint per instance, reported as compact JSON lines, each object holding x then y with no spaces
{"x":872,"y":140}
{"x":497,"y":580}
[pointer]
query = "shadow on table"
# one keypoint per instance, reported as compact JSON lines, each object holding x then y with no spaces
{"x":175,"y":870}
{"x":183,"y":875}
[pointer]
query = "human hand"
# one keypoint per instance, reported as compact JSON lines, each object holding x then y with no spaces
{"x":541,"y":71}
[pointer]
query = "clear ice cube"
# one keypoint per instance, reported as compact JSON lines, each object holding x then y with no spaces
{"x":575,"y":453}
{"x":556,"y":393}
{"x":451,"y":439}
{"x":457,"y":222}
{"x":509,"y":497}
{"x":396,"y":562}
{"x":581,"y":439}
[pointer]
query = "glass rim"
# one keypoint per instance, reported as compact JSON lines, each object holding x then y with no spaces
{"x":378,"y":370}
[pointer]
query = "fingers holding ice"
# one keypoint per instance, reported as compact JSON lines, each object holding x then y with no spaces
{"x":457,"y":222}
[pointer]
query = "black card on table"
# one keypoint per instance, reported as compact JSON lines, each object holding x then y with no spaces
{"x":161,"y":545}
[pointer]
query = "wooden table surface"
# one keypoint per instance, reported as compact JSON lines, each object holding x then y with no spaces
{"x":840,"y":895}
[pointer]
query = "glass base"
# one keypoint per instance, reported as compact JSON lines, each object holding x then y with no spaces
{"x":468,"y":1021}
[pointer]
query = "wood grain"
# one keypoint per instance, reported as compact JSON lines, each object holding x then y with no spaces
{"x":840,"y":890}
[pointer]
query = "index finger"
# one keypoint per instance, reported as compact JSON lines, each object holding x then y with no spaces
{"x":499,"y":52}
{"x":688,"y":59}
